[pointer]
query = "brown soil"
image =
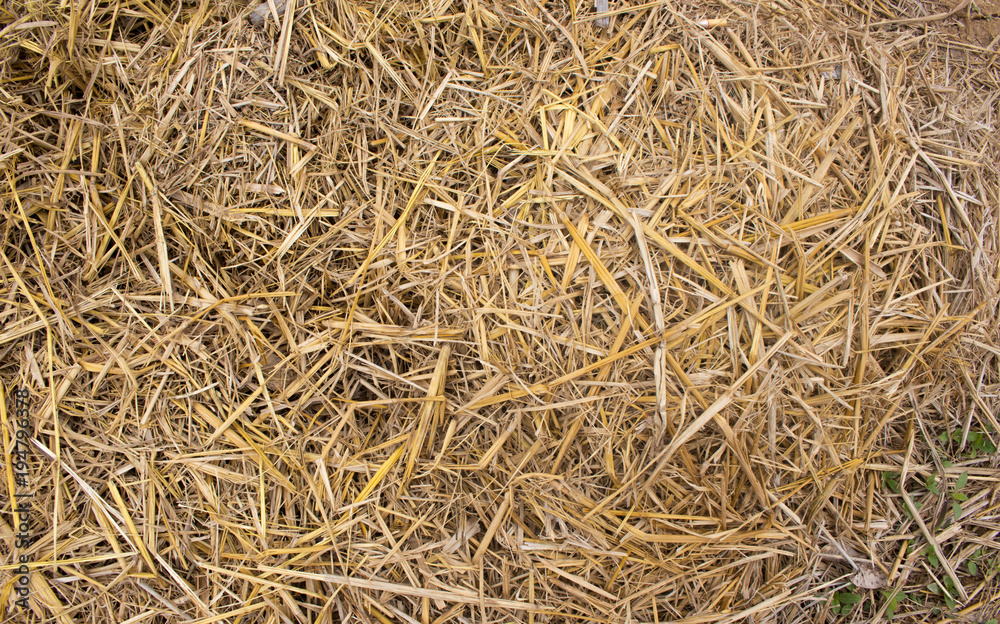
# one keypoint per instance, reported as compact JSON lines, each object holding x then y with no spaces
{"x":978,"y":25}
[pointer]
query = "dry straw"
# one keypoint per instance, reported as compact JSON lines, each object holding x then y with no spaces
{"x":488,"y":312}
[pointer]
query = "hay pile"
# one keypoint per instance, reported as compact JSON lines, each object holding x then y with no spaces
{"x":480,"y":312}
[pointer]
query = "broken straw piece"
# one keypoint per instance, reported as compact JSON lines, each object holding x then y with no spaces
{"x":867,"y":577}
{"x":601,"y":6}
{"x":713,"y":23}
{"x":836,"y":74}
{"x":259,"y":15}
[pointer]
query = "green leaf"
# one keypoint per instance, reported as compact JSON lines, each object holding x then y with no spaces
{"x":933,"y":588}
{"x":947,"y":464}
{"x":948,"y":600}
{"x":973,"y":568}
{"x":848,"y":598}
{"x":891,"y":481}
{"x":960,"y":497}
{"x":891,"y":602}
{"x":932,"y":484}
{"x":962,"y":480}
{"x":956,"y":508}
{"x":932,"y":558}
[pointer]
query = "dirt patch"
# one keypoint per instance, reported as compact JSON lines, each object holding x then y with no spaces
{"x":985,"y":31}
{"x":982,"y":7}
{"x":978,"y":24}
{"x":988,"y":7}
{"x":980,"y":32}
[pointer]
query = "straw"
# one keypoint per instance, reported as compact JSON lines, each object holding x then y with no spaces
{"x":453,"y":312}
